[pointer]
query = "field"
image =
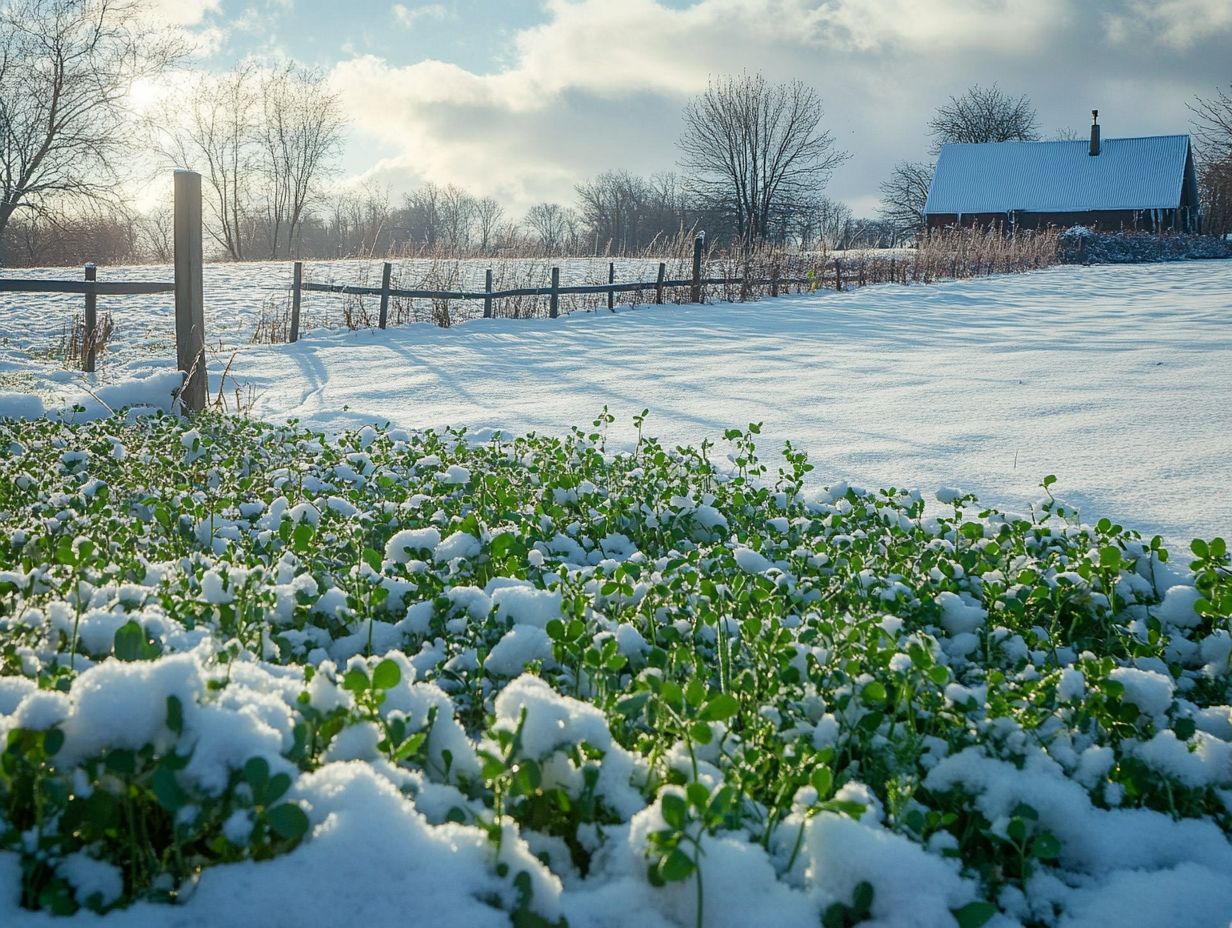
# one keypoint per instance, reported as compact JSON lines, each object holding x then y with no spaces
{"x":541,"y":668}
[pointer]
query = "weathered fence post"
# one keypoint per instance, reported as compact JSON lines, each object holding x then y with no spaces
{"x":89,"y":336}
{"x":659,"y":283}
{"x":189,"y":292}
{"x":386,"y":272}
{"x":554,"y":301}
{"x":296,"y":289}
{"x":487,"y":300}
{"x":611,"y":292}
{"x":695,"y":295}
{"x":774,"y":280}
{"x":838,"y":276}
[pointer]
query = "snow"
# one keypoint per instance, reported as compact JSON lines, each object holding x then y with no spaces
{"x":405,"y":543}
{"x":888,"y":384}
{"x":843,"y":852}
{"x":1150,"y":691}
{"x":1112,"y":378}
{"x":520,"y":645}
{"x":524,"y":604}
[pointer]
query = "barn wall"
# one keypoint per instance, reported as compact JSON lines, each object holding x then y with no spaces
{"x":1106,"y":220}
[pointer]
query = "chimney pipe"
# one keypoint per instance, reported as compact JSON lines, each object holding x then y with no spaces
{"x":1094,"y":132}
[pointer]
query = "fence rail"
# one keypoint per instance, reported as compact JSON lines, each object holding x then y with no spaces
{"x":697,"y":284}
{"x":87,"y":287}
{"x":187,"y":287}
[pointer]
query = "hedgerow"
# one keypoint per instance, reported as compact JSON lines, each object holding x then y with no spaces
{"x":544,"y":643}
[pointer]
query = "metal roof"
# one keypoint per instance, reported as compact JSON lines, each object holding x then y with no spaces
{"x":1061,"y":177}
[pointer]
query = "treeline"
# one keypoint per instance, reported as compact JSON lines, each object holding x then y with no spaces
{"x":614,"y":213}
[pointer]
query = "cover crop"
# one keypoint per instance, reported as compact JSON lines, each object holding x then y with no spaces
{"x":590,"y":688}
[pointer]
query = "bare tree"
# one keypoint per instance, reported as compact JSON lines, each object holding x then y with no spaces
{"x":1212,"y":122}
{"x":903,"y":196}
{"x":66,"y":69}
{"x":156,"y":231}
{"x":821,"y":224}
{"x":214,"y":136}
{"x":550,"y":224}
{"x":420,"y":216}
{"x":756,"y":149}
{"x":614,"y":207}
{"x":984,"y":114}
{"x":457,"y":212}
{"x":298,"y":136}
{"x":489,"y":215}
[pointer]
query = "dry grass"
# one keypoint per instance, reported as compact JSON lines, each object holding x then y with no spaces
{"x":74,"y":344}
{"x":746,"y":274}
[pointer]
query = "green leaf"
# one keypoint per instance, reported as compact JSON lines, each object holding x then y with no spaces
{"x":630,"y":706}
{"x":387,"y":675}
{"x":675,"y":811}
{"x":974,"y":914}
{"x":676,"y":866}
{"x":167,"y":790}
{"x":288,"y":821}
{"x":53,"y":740}
{"x":698,"y":795}
{"x":694,"y":692}
{"x":720,"y":707}
{"x":1046,"y":846}
{"x":256,"y":773}
{"x":862,"y":898}
{"x":1016,"y":830}
{"x":700,"y":732}
{"x":129,"y":641}
{"x":873,"y":694}
{"x":301,"y":537}
{"x":175,"y":715}
{"x":822,"y":780}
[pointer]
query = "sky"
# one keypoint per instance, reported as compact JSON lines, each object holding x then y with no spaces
{"x":521,"y":100}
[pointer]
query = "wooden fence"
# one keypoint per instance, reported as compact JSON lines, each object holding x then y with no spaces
{"x":696,"y":284}
{"x":187,"y":287}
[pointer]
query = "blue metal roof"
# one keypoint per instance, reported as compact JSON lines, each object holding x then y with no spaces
{"x":1061,"y":177}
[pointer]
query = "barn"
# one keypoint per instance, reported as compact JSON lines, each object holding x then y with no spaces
{"x":1145,"y":183}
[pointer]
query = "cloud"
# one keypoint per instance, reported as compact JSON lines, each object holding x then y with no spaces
{"x":599,"y":84}
{"x":410,"y":16}
{"x":181,"y":12}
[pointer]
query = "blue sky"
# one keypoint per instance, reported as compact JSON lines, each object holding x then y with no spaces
{"x":522,"y":99}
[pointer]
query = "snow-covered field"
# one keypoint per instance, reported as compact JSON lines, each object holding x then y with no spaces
{"x":1115,"y":379}
{"x":237,"y":296}
{"x":392,"y":676}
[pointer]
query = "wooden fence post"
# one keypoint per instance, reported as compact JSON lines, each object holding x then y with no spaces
{"x":611,"y":279}
{"x":774,"y":280}
{"x":838,"y":276}
{"x":89,"y":336}
{"x":386,"y":272}
{"x":296,"y":290}
{"x":189,"y":292}
{"x":487,"y":300}
{"x":695,"y":295}
{"x":554,"y":303}
{"x":659,"y":284}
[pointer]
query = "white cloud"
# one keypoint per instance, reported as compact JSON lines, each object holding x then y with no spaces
{"x":600,"y":84}
{"x":181,"y":12}
{"x":409,"y":16}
